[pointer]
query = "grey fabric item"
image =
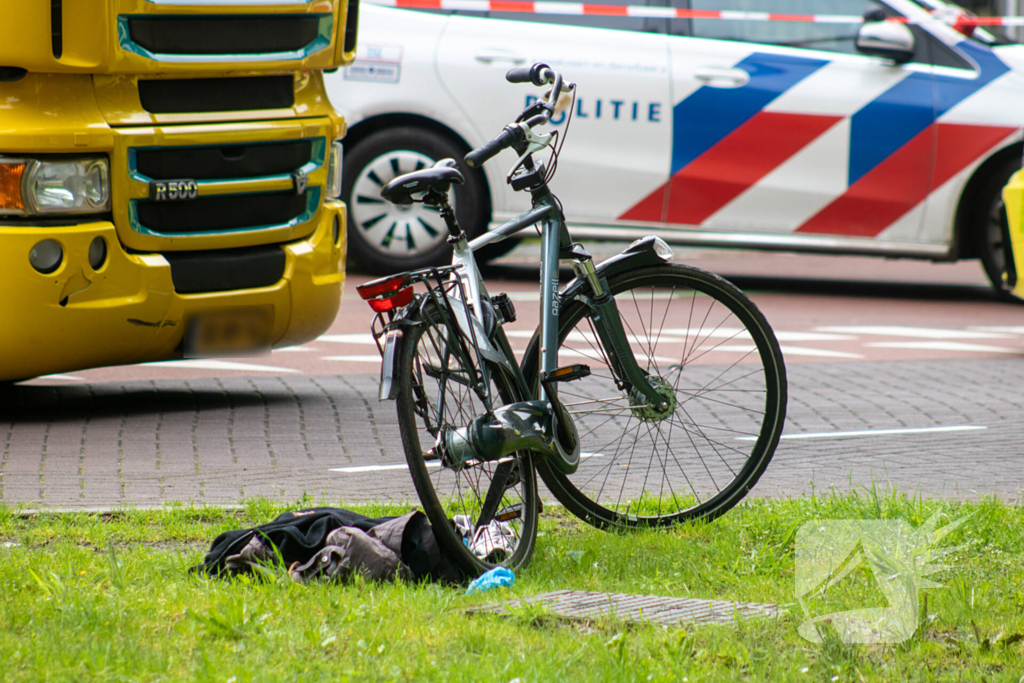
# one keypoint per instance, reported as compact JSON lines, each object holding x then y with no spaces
{"x":323,"y":542}
{"x":392,"y":532}
{"x":351,"y":551}
{"x":255,"y":552}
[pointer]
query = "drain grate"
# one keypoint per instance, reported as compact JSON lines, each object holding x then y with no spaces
{"x":655,"y":609}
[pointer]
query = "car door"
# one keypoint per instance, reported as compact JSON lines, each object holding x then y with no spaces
{"x":783,"y":128}
{"x":616,"y":150}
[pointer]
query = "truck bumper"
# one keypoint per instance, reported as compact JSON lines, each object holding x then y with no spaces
{"x":126,"y":311}
{"x":1013,"y":198}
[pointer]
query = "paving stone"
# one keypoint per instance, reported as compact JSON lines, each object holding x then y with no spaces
{"x":219,"y":440}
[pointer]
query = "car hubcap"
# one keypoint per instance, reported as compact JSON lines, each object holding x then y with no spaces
{"x":398,"y":231}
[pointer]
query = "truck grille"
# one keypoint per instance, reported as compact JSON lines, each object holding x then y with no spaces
{"x":249,"y":186}
{"x":223,"y":213}
{"x":227,"y":163}
{"x":201,"y":95}
{"x":227,"y":35}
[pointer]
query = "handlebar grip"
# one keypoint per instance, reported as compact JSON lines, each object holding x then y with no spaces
{"x":520,"y":74}
{"x":478,"y":156}
{"x":536,"y":74}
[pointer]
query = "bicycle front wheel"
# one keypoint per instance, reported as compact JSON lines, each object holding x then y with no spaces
{"x":483,"y":514}
{"x":710,"y":352}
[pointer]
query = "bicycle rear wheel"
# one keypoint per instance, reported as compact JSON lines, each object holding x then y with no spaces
{"x":483,"y":514}
{"x":714,"y":357}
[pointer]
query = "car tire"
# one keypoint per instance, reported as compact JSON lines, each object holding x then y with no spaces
{"x":990,"y":225}
{"x":384,"y":238}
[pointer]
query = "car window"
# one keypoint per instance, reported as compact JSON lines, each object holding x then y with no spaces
{"x":831,"y":37}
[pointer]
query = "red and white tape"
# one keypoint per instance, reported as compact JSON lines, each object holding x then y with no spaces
{"x":639,"y":11}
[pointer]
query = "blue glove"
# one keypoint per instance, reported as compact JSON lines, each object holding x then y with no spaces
{"x":495,"y":578}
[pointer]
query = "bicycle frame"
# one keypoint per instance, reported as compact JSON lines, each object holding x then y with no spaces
{"x":556,"y":246}
{"x":540,"y":425}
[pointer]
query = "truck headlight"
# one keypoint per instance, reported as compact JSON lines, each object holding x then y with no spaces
{"x":54,"y":186}
{"x":333,"y":190}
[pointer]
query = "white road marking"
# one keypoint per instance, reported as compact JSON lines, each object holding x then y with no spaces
{"x":820,"y":353}
{"x":375,"y":358}
{"x":296,"y":349}
{"x":786,"y":351}
{"x":404,"y":466}
{"x":360,"y":338}
{"x":213,"y":364}
{"x":377,"y":468}
{"x":1013,"y":329}
{"x":875,"y":432}
{"x":919,"y":332}
{"x":945,"y":346}
{"x":62,"y":378}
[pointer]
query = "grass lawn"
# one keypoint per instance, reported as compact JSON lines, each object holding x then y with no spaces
{"x":109,"y":598}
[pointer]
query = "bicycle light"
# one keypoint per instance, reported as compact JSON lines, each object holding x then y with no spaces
{"x":387,"y":294}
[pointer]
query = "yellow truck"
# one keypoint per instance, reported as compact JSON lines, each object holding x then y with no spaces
{"x":1013,"y":200}
{"x":169,"y":178}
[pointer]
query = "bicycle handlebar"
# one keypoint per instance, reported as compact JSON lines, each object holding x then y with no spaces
{"x":506,"y":138}
{"x":539,"y":74}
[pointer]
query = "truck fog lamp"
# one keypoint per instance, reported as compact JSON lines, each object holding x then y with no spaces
{"x":11,"y":173}
{"x":334,"y":159}
{"x":97,"y":253}
{"x":68,"y":186}
{"x":46,"y":256}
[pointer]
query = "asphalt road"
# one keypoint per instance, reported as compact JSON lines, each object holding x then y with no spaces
{"x":903,"y":373}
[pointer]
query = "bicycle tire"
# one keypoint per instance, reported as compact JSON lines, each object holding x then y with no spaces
{"x":446,"y":492}
{"x":705,"y":296}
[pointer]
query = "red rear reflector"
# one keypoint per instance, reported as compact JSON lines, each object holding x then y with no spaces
{"x":383,"y":287}
{"x":399,"y":299}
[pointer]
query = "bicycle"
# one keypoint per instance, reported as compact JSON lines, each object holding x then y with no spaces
{"x":623,"y":437}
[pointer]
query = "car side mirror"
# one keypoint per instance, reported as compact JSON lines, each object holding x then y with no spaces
{"x":887,"y":39}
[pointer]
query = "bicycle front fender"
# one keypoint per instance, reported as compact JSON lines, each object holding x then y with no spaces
{"x":638,"y":255}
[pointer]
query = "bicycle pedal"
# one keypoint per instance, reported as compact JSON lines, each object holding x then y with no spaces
{"x":568,"y":373}
{"x":508,"y":513}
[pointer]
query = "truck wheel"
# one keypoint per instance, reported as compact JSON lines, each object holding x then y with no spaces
{"x":384,"y":238}
{"x":992,"y":230}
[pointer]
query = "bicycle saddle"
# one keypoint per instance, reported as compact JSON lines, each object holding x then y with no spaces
{"x":438,"y":178}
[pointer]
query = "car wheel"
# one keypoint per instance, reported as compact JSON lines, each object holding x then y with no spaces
{"x":992,"y":229}
{"x":385,"y":238}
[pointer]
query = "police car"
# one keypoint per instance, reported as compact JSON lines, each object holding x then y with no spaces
{"x":878,"y":137}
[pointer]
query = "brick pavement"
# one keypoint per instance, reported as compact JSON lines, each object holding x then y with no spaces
{"x":219,"y":441}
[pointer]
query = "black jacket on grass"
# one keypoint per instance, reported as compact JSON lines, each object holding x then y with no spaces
{"x":333,"y":544}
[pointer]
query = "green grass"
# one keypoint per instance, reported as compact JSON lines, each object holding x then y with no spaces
{"x":110,"y":598}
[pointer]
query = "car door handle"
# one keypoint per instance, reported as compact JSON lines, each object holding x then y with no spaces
{"x":499,"y":57}
{"x":722,"y":77}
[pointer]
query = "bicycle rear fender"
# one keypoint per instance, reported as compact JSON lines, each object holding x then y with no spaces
{"x":393,"y":341}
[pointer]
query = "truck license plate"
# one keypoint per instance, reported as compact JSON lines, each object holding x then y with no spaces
{"x":233,"y":332}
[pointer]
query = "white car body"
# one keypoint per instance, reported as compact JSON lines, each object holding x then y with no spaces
{"x":707,"y":141}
